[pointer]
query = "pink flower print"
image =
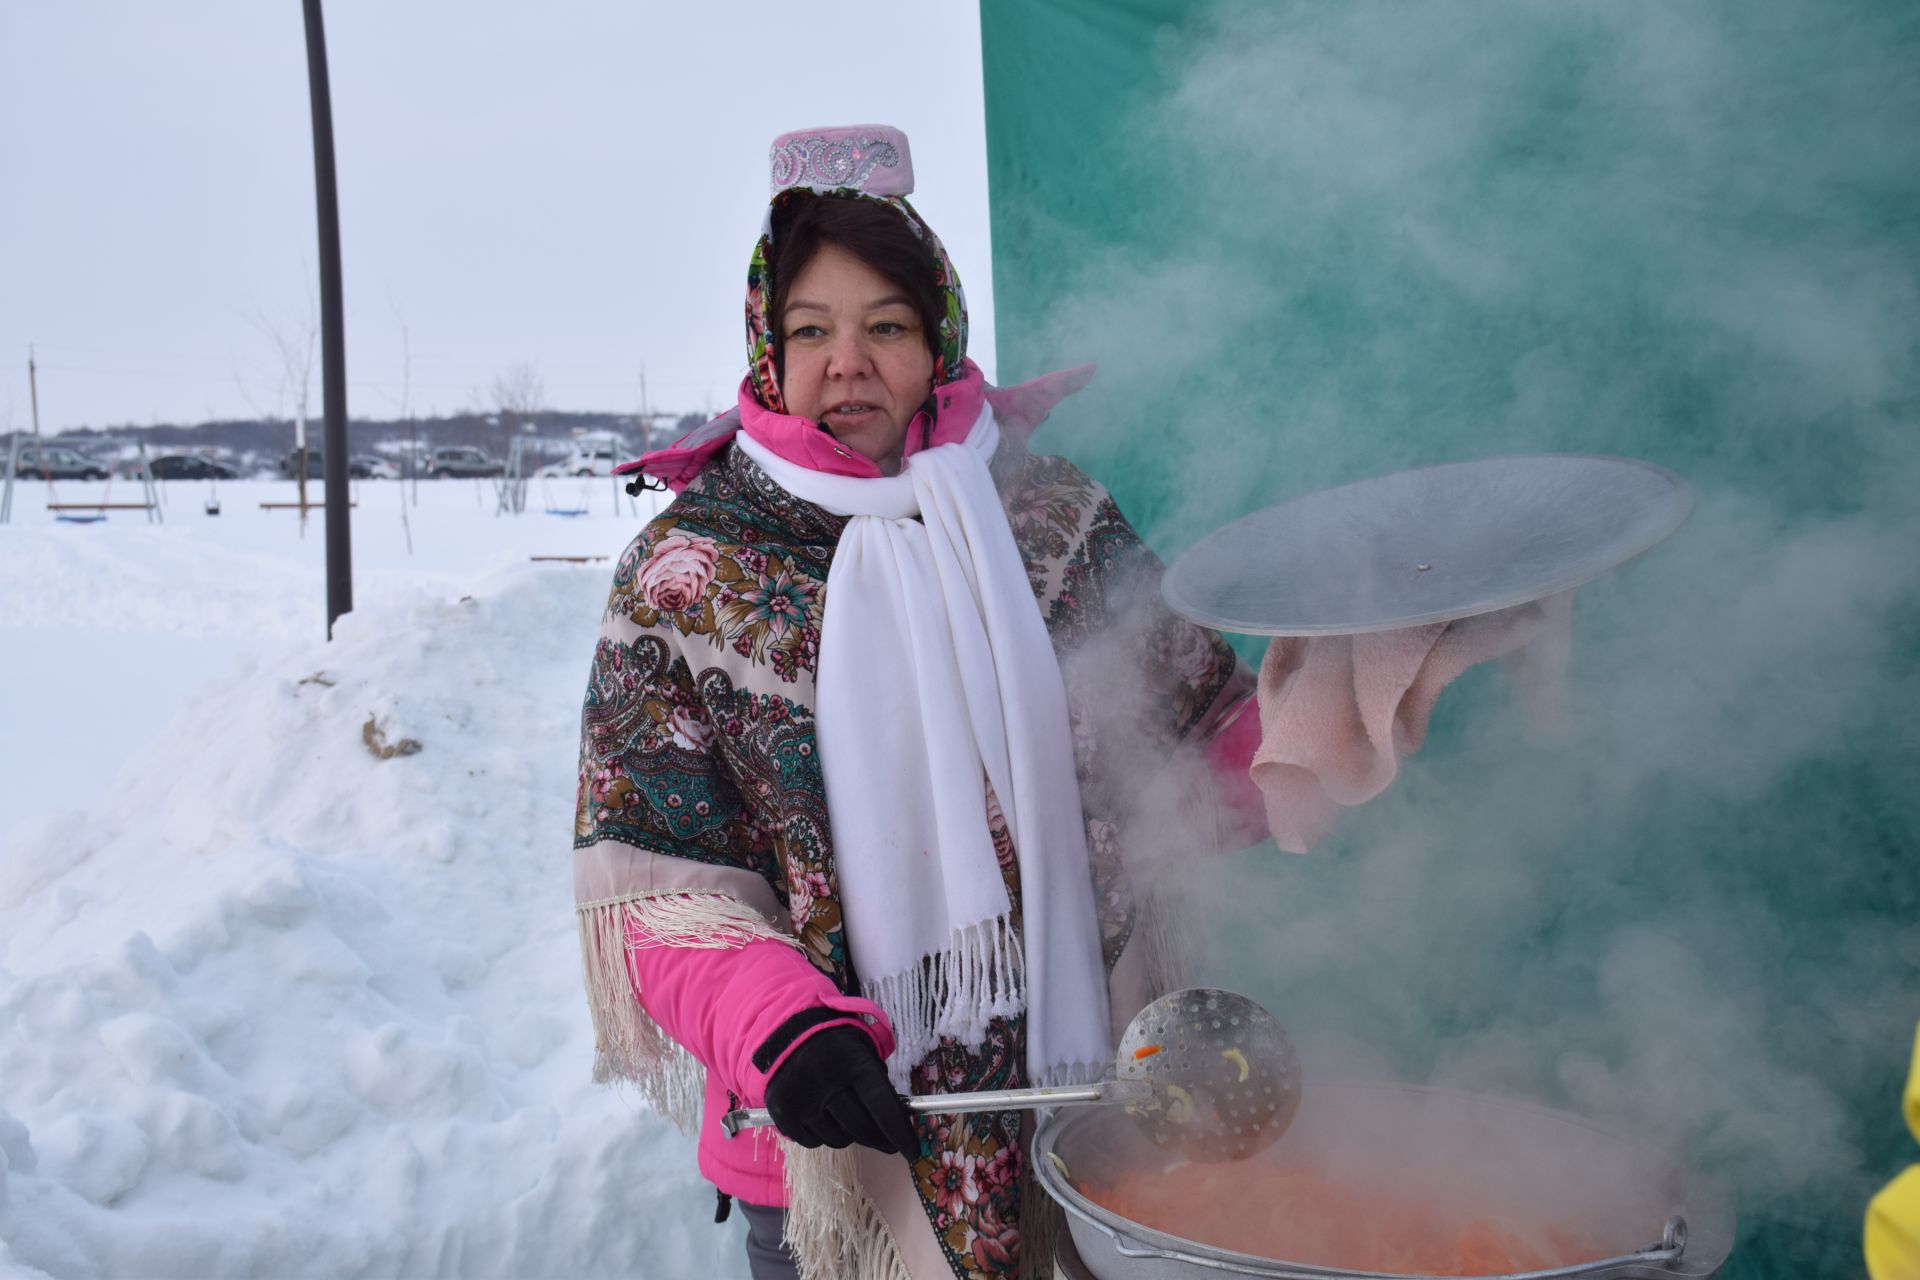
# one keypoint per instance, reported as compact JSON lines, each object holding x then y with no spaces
{"x":996,"y":1243}
{"x":690,"y":730}
{"x":1002,"y":1169}
{"x":676,"y":574}
{"x":1192,"y":655}
{"x":956,"y":1182}
{"x":603,"y":780}
{"x":800,"y":896}
{"x":629,"y":559}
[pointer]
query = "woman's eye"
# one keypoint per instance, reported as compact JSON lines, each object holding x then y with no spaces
{"x":805,"y":331}
{"x":887,"y":328}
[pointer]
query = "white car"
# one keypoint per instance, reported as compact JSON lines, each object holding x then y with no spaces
{"x":372,"y":467}
{"x":587,"y":458}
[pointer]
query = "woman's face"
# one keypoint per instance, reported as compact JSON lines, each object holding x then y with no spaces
{"x":856,"y":356}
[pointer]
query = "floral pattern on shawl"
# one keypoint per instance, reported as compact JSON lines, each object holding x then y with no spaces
{"x":731,"y":572}
{"x":698,"y":742}
{"x":969,"y":1173}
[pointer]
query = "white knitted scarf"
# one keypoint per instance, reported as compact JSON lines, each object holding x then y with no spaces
{"x":936,"y":672}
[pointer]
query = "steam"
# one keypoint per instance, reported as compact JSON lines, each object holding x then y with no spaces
{"x":1373,"y":235}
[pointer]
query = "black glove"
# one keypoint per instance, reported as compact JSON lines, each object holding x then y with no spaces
{"x":833,"y":1090}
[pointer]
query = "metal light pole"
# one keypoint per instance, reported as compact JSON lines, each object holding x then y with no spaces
{"x":333,"y":338}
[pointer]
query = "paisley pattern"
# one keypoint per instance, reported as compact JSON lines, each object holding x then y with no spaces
{"x":698,"y":742}
{"x":830,"y":162}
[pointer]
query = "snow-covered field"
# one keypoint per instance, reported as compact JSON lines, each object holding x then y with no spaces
{"x":270,"y":1004}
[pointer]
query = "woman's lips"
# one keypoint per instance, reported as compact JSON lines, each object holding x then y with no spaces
{"x":851,"y":409}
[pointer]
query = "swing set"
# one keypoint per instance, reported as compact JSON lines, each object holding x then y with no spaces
{"x":79,"y":512}
{"x":72,"y":512}
{"x":511,"y":487}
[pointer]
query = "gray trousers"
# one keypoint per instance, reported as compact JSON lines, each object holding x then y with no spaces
{"x":767,"y":1258}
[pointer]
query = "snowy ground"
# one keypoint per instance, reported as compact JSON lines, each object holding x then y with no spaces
{"x":270,"y":1005}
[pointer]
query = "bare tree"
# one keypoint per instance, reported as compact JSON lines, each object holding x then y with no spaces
{"x":519,"y":393}
{"x":291,"y":378}
{"x":411,"y":476}
{"x":293,"y":344}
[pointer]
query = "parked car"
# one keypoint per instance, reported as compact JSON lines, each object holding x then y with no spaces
{"x":358,"y":468}
{"x":461,"y":462}
{"x":290,"y":465}
{"x":370,"y":466}
{"x":190,"y":466}
{"x":56,"y":462}
{"x":586,"y":458}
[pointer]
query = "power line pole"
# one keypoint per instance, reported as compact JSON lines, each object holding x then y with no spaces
{"x":646,"y":414}
{"x":33,"y":391}
{"x":333,"y":349}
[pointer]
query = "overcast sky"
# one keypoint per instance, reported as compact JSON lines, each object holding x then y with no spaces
{"x":575,"y":187}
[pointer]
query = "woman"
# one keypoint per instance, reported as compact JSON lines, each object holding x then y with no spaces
{"x":852,"y":809}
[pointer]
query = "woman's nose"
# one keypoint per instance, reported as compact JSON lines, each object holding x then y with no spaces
{"x":849,"y":357}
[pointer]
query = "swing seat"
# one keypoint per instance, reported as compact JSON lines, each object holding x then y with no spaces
{"x":566,"y":511}
{"x":64,"y":518}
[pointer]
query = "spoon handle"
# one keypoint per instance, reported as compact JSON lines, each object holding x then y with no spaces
{"x":1114,"y":1091}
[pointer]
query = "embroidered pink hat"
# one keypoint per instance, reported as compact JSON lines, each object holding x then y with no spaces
{"x":869,"y":158}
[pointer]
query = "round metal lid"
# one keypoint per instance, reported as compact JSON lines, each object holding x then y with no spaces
{"x":1430,"y":544}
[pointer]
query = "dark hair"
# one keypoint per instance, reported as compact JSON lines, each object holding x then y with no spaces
{"x":875,"y":233}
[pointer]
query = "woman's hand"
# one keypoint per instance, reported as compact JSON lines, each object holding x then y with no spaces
{"x":833,"y":1090}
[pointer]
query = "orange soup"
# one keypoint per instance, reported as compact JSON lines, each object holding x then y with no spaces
{"x":1293,"y":1215}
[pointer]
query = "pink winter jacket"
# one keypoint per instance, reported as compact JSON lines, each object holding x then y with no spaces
{"x":720,"y":1004}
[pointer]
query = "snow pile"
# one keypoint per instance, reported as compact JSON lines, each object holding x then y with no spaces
{"x":281,"y":1004}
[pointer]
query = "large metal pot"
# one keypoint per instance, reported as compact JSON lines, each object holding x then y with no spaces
{"x":1534,"y":1164}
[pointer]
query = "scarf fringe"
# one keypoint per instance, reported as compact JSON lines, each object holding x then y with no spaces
{"x":832,"y":1226}
{"x":628,"y":1044}
{"x":956,"y":992}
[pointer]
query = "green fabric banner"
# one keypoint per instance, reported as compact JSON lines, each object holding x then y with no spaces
{"x":1310,"y":242}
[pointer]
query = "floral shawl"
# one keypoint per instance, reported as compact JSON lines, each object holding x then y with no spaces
{"x":698,"y":751}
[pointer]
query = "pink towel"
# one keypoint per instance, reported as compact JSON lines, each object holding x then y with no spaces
{"x":1338,"y":712}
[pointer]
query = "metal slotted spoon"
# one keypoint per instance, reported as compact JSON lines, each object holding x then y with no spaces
{"x":1207,"y":1074}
